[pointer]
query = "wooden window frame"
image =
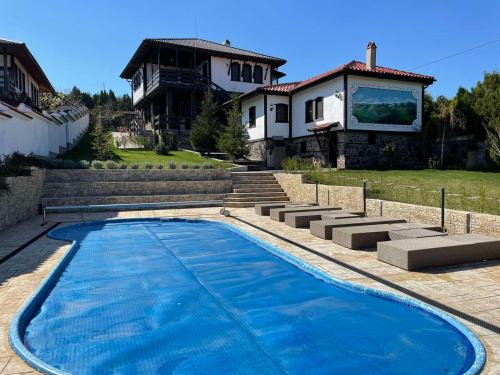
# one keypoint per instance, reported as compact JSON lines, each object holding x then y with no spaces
{"x":255,"y":69}
{"x":235,"y":76}
{"x":317,"y":102}
{"x":284,"y":107}
{"x":309,"y":111}
{"x":248,"y":68}
{"x":252,"y":120}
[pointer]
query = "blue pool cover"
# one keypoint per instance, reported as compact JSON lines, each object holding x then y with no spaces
{"x":201,"y":297}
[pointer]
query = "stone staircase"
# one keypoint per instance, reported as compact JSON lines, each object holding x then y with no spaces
{"x":104,"y":187}
{"x":250,"y":188}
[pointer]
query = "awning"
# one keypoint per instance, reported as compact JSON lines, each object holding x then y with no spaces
{"x":323,"y":127}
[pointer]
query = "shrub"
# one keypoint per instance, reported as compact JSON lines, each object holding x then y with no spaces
{"x":55,"y":163}
{"x":172,"y":165}
{"x":148,"y":166}
{"x":96,"y":164}
{"x":110,"y":164}
{"x":195,"y":166}
{"x":144,"y":141}
{"x":83,"y":164}
{"x":159,"y":166}
{"x":122,"y":165}
{"x":173,"y":143}
{"x":207,"y":166}
{"x":297,"y":164}
{"x":184,"y":165}
{"x":134,"y":166}
{"x":69,"y":164}
{"x":161,"y":148}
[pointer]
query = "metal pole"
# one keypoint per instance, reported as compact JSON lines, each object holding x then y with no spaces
{"x":317,"y":196}
{"x":442,"y":210}
{"x":364,"y":197}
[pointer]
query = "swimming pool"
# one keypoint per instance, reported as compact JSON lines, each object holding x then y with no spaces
{"x":203,"y":297}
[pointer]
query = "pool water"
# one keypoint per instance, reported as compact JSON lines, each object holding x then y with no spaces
{"x":201,"y":297}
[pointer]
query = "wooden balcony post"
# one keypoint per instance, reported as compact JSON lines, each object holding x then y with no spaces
{"x":5,"y":72}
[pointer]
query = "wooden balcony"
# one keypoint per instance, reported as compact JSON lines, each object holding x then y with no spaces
{"x":177,"y":123}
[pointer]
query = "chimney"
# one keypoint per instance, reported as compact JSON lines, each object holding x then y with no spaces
{"x":227,"y":43}
{"x":371,"y":56}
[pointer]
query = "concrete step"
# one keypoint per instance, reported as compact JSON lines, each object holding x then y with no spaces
{"x":249,"y":203}
{"x":125,"y":199}
{"x":252,"y":184}
{"x":258,"y":194}
{"x":244,"y":174}
{"x":258,"y":189}
{"x":253,"y":178}
{"x":139,"y":188}
{"x":258,"y":199}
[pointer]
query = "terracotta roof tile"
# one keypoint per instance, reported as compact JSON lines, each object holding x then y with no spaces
{"x":279,"y":88}
{"x":358,"y":66}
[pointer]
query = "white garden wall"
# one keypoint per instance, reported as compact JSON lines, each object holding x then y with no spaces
{"x":28,"y":132}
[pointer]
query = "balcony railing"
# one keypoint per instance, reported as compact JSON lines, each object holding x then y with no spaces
{"x":171,"y":122}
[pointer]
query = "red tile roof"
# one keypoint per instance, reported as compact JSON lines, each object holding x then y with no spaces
{"x":360,"y":67}
{"x":325,"y":126}
{"x":279,"y":88}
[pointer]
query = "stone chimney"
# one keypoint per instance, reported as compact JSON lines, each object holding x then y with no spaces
{"x":371,"y":56}
{"x":227,"y":43}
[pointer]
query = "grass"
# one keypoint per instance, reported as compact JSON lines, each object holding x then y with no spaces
{"x":83,"y":151}
{"x":464,"y":190}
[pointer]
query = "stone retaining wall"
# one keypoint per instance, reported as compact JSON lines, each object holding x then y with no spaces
{"x":22,"y":200}
{"x":457,"y":222}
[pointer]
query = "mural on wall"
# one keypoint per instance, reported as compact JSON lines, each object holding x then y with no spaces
{"x":372,"y":105}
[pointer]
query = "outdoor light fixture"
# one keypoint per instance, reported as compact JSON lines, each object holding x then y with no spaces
{"x":271,"y":107}
{"x":338,"y":95}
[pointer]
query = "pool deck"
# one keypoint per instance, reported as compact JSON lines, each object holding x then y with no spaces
{"x":472,"y":289}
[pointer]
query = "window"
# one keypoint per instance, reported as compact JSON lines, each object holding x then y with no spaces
{"x":136,"y":81}
{"x":318,"y":109}
{"x":309,"y":111}
{"x":235,"y":71}
{"x":251,"y":117}
{"x":23,"y":82}
{"x":281,"y":113}
{"x":303,"y":147}
{"x":372,"y":138}
{"x":257,"y":74}
{"x":247,"y":73}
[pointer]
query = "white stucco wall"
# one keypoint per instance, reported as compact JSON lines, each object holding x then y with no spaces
{"x":38,"y":136}
{"x":221,"y":75}
{"x":276,"y":129}
{"x":333,"y":106}
{"x":354,"y":82}
{"x":256,"y":132}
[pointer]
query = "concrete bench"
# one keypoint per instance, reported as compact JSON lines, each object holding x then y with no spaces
{"x":367,"y":236}
{"x":331,"y":215}
{"x":302,"y":219}
{"x":414,"y":233}
{"x":264,"y":208}
{"x":278,"y":214}
{"x":417,"y":253}
{"x":323,"y":228}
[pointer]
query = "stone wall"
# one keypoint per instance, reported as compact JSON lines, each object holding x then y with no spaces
{"x":457,"y":222}
{"x":348,"y":197}
{"x":257,"y":150}
{"x":22,"y":200}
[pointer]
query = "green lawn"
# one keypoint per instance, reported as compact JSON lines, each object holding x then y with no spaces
{"x":83,"y":151}
{"x":465,"y":190}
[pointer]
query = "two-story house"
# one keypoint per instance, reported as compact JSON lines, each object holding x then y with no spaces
{"x":21,"y":78}
{"x":358,"y":115}
{"x":170,"y":76}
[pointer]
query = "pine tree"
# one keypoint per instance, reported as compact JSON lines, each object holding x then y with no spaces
{"x":101,"y":142}
{"x":234,"y":138}
{"x":204,"y":132}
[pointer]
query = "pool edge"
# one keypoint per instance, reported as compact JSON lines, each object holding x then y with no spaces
{"x":33,"y":302}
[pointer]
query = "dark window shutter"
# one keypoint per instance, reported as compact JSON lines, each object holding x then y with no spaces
{"x":319,"y":108}
{"x":235,"y":71}
{"x":257,"y":74}
{"x":251,"y":117}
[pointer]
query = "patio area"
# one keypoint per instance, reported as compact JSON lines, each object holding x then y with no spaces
{"x":471,"y":292}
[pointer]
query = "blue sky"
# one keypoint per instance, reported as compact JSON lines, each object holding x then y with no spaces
{"x":88,"y":43}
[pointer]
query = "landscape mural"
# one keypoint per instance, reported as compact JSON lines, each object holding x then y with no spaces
{"x":384,"y":106}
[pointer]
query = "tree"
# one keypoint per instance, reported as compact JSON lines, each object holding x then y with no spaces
{"x":204,"y":132}
{"x":487,"y":105}
{"x":234,"y":138}
{"x":102,"y":142}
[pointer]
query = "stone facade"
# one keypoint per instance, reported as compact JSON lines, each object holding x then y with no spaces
{"x":456,"y":222}
{"x":22,"y":199}
{"x":257,"y":150}
{"x":360,"y":150}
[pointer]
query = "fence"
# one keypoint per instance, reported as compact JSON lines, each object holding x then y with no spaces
{"x":44,"y":134}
